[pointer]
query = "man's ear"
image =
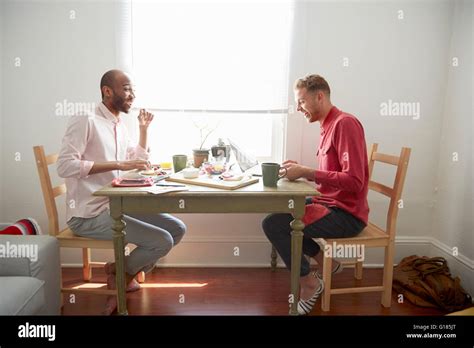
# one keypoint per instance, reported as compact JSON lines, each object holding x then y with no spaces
{"x":320,"y":95}
{"x":107,"y":91}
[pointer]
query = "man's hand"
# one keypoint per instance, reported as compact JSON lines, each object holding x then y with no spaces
{"x":134,"y":164}
{"x":102,"y":167}
{"x":144,"y":119}
{"x":288,"y":162}
{"x":295,"y":171}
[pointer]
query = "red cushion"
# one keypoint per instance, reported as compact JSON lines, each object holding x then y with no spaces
{"x":23,"y":227}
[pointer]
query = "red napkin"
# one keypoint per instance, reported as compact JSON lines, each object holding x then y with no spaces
{"x":125,"y":182}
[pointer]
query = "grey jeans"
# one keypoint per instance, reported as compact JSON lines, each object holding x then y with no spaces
{"x":154,"y":236}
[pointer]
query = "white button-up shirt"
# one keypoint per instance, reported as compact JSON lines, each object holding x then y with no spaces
{"x":101,"y":137}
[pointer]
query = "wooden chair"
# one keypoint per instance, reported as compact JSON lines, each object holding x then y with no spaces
{"x":372,"y":235}
{"x":65,"y":236}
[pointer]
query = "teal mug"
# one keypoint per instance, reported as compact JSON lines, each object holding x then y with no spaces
{"x":179,"y":162}
{"x":271,"y":174}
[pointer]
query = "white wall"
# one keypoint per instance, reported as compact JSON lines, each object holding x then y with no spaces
{"x":404,"y":60}
{"x":453,"y":213}
{"x":61,"y":58}
{"x":452,"y":220}
{"x":401,"y":60}
{"x":1,"y":106}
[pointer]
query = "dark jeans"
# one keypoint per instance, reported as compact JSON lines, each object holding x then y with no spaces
{"x":337,"y":224}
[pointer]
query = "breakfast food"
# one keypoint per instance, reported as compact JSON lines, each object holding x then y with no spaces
{"x":214,"y":168}
{"x":238,"y":177}
{"x":148,"y":172}
{"x":155,"y":170}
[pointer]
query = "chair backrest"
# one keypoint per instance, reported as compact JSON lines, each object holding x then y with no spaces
{"x":395,"y":192}
{"x":49,"y":192}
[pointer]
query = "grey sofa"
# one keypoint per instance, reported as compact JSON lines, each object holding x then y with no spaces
{"x":29,"y":275}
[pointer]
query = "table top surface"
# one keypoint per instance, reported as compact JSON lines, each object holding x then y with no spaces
{"x":300,"y":187}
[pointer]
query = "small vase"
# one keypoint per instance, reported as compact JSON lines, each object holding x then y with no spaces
{"x":200,"y":156}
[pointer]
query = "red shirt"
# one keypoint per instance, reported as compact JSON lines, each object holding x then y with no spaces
{"x":342,"y":176}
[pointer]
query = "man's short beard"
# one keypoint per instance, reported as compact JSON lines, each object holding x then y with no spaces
{"x":118,"y":102}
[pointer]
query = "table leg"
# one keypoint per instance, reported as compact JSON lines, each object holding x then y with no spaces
{"x":296,"y":250}
{"x":273,"y":263}
{"x":119,"y":250}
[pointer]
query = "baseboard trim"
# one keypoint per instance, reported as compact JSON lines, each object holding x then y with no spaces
{"x":449,"y":252}
{"x":194,"y":265}
{"x":435,"y":243}
{"x":225,"y":239}
{"x":399,"y":241}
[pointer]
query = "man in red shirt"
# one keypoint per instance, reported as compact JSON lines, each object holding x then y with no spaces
{"x":342,"y":179}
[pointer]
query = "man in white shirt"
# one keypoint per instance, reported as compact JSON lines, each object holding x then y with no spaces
{"x":95,"y":148}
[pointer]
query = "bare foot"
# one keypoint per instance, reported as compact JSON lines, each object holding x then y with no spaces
{"x":132,"y":286}
{"x":109,"y":268}
{"x":111,"y":304}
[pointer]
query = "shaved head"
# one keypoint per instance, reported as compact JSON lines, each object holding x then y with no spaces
{"x":109,"y":78}
{"x":117,"y":91}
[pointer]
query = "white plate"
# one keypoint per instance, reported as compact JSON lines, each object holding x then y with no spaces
{"x":148,"y":173}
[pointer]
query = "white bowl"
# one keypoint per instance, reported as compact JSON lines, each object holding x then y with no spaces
{"x":190,"y":173}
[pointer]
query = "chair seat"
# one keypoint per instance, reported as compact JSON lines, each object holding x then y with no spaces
{"x":68,"y":239}
{"x":372,"y":235}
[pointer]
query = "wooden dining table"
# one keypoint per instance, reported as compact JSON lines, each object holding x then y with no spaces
{"x":287,"y":197}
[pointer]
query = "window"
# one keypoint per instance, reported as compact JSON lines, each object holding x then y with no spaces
{"x":220,"y":64}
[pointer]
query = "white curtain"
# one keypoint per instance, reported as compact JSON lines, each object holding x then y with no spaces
{"x":212,"y":55}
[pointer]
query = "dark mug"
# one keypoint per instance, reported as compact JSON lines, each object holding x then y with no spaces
{"x":271,"y":174}
{"x":179,"y":162}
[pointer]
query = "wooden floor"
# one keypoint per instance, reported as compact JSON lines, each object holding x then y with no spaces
{"x":231,"y":291}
